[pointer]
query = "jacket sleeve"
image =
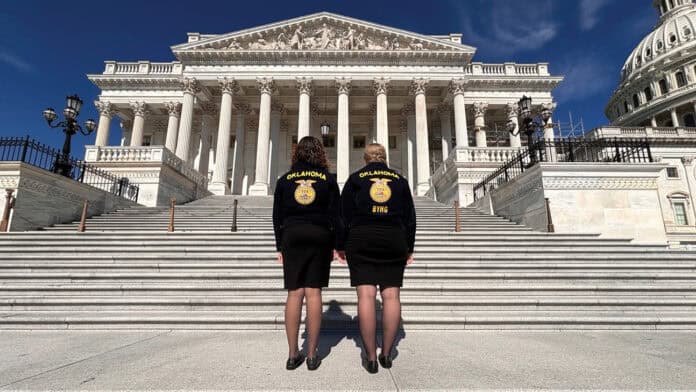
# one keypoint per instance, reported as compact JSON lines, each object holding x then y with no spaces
{"x":335,"y":212}
{"x":409,"y":219}
{"x":346,"y":213}
{"x":278,"y":215}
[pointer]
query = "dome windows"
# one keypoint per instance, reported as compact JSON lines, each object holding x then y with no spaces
{"x":681,"y":79}
{"x":672,"y":38}
{"x":636,"y":100}
{"x":648,"y":94}
{"x":664,"y":89}
{"x":687,"y":31}
{"x":626,"y":108}
{"x":660,"y":45}
{"x":648,"y":53}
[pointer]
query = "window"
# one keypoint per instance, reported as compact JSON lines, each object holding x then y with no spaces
{"x":659,"y":44}
{"x":679,"y":208}
{"x":636,"y":101}
{"x":329,"y":141}
{"x":672,"y":172}
{"x":626,"y":108}
{"x":392,"y":143}
{"x":648,"y":94}
{"x":147,"y":140}
{"x":359,"y":141}
{"x":681,"y":79}
{"x":648,"y":52}
{"x":688,"y":120}
{"x":663,"y":87}
{"x":687,"y":31}
{"x":672,"y":38}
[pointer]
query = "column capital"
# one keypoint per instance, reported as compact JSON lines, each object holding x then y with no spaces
{"x":265,"y":85}
{"x":277,"y":107}
{"x":408,"y":109}
{"x":139,"y":109}
{"x":304,"y":85}
{"x":512,"y":110}
{"x":479,"y":108}
{"x":343,"y":85}
{"x":444,"y":108}
{"x":380,"y":85}
{"x":105,"y":108}
{"x":314,"y":108}
{"x":403,"y":125}
{"x":457,"y":86}
{"x":126,"y":125}
{"x":418,"y":86}
{"x":190,"y":85}
{"x":228,"y":85}
{"x":173,"y":108}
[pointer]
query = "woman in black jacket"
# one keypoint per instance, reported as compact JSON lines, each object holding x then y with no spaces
{"x":380,"y":229}
{"x":305,"y":219}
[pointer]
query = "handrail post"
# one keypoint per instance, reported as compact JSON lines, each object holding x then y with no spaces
{"x":9,"y":205}
{"x":25,"y":147}
{"x":549,"y":226}
{"x":83,"y":220}
{"x":234,"y":217}
{"x":457,"y":225}
{"x":172,"y":203}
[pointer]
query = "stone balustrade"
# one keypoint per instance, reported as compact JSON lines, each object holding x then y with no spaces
{"x":507,"y":69}
{"x":643,"y":132}
{"x":142,"y":68}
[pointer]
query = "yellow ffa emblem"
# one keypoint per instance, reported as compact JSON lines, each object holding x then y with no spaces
{"x":380,"y":191}
{"x":305,"y":194}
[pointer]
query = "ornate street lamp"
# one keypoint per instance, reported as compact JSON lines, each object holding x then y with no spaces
{"x":70,"y":127}
{"x":530,"y":123}
{"x":325,"y":128}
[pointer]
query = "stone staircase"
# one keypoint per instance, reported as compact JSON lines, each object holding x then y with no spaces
{"x":127,"y":272}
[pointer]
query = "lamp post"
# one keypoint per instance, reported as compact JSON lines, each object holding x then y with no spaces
{"x":530,"y":123}
{"x":70,"y":127}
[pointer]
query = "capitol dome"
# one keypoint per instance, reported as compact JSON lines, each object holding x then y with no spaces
{"x":658,"y":77}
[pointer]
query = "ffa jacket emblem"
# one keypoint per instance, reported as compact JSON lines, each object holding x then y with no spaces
{"x":304,"y":193}
{"x":380,"y":191}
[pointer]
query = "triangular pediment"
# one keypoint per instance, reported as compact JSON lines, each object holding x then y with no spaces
{"x":324,"y":32}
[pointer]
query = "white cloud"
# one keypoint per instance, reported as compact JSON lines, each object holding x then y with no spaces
{"x":15,"y":62}
{"x":586,"y":76}
{"x":507,"y":27}
{"x":589,"y":13}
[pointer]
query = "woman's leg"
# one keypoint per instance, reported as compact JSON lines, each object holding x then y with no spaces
{"x":367,"y":318}
{"x":391,"y":318}
{"x":313,"y":319}
{"x":293,"y":316}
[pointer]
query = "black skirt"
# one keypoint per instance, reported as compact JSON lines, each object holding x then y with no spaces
{"x":307,"y":253}
{"x":377,"y":255}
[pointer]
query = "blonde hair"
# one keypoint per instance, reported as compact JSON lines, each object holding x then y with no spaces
{"x":375,"y":152}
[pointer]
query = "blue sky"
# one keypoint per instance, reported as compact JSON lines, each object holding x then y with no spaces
{"x":47,"y":47}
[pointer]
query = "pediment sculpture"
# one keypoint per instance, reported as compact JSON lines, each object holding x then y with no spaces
{"x":322,"y":37}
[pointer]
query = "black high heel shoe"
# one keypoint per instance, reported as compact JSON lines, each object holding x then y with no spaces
{"x":371,"y":366}
{"x":385,"y":362}
{"x":294,"y":363}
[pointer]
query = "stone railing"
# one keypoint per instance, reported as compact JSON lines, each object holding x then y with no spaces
{"x":507,"y":69}
{"x":485,"y":154}
{"x":118,"y":154}
{"x":142,"y":68}
{"x":643,"y":132}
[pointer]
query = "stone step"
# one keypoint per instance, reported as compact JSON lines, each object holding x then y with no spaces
{"x":337,"y":319}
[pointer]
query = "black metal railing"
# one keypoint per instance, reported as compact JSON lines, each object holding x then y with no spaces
{"x":567,"y":150}
{"x":48,"y":158}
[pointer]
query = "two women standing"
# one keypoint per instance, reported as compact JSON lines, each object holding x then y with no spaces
{"x":374,"y":232}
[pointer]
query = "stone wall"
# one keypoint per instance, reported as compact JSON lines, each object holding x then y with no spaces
{"x":44,"y":198}
{"x":611,"y":199}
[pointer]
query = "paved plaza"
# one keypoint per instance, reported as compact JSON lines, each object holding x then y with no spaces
{"x":432,"y":360}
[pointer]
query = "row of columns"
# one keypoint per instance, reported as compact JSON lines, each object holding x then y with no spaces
{"x":179,"y":128}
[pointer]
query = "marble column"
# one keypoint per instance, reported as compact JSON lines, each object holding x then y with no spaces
{"x":403,"y":147}
{"x":408,"y":111}
{"x":479,"y":110}
{"x":219,"y":185}
{"x":106,"y":111}
{"x":675,"y":117}
{"x":277,"y":111}
{"x":445,"y":111}
{"x":183,"y":143}
{"x":343,"y":86}
{"x":174,"y":110}
{"x":512,"y":111}
{"x":381,"y":87}
{"x":239,"y":147}
{"x":209,"y":122}
{"x":260,"y":186}
{"x":139,"y":113}
{"x":304,"y":87}
{"x":418,"y":87}
{"x":456,"y":88}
